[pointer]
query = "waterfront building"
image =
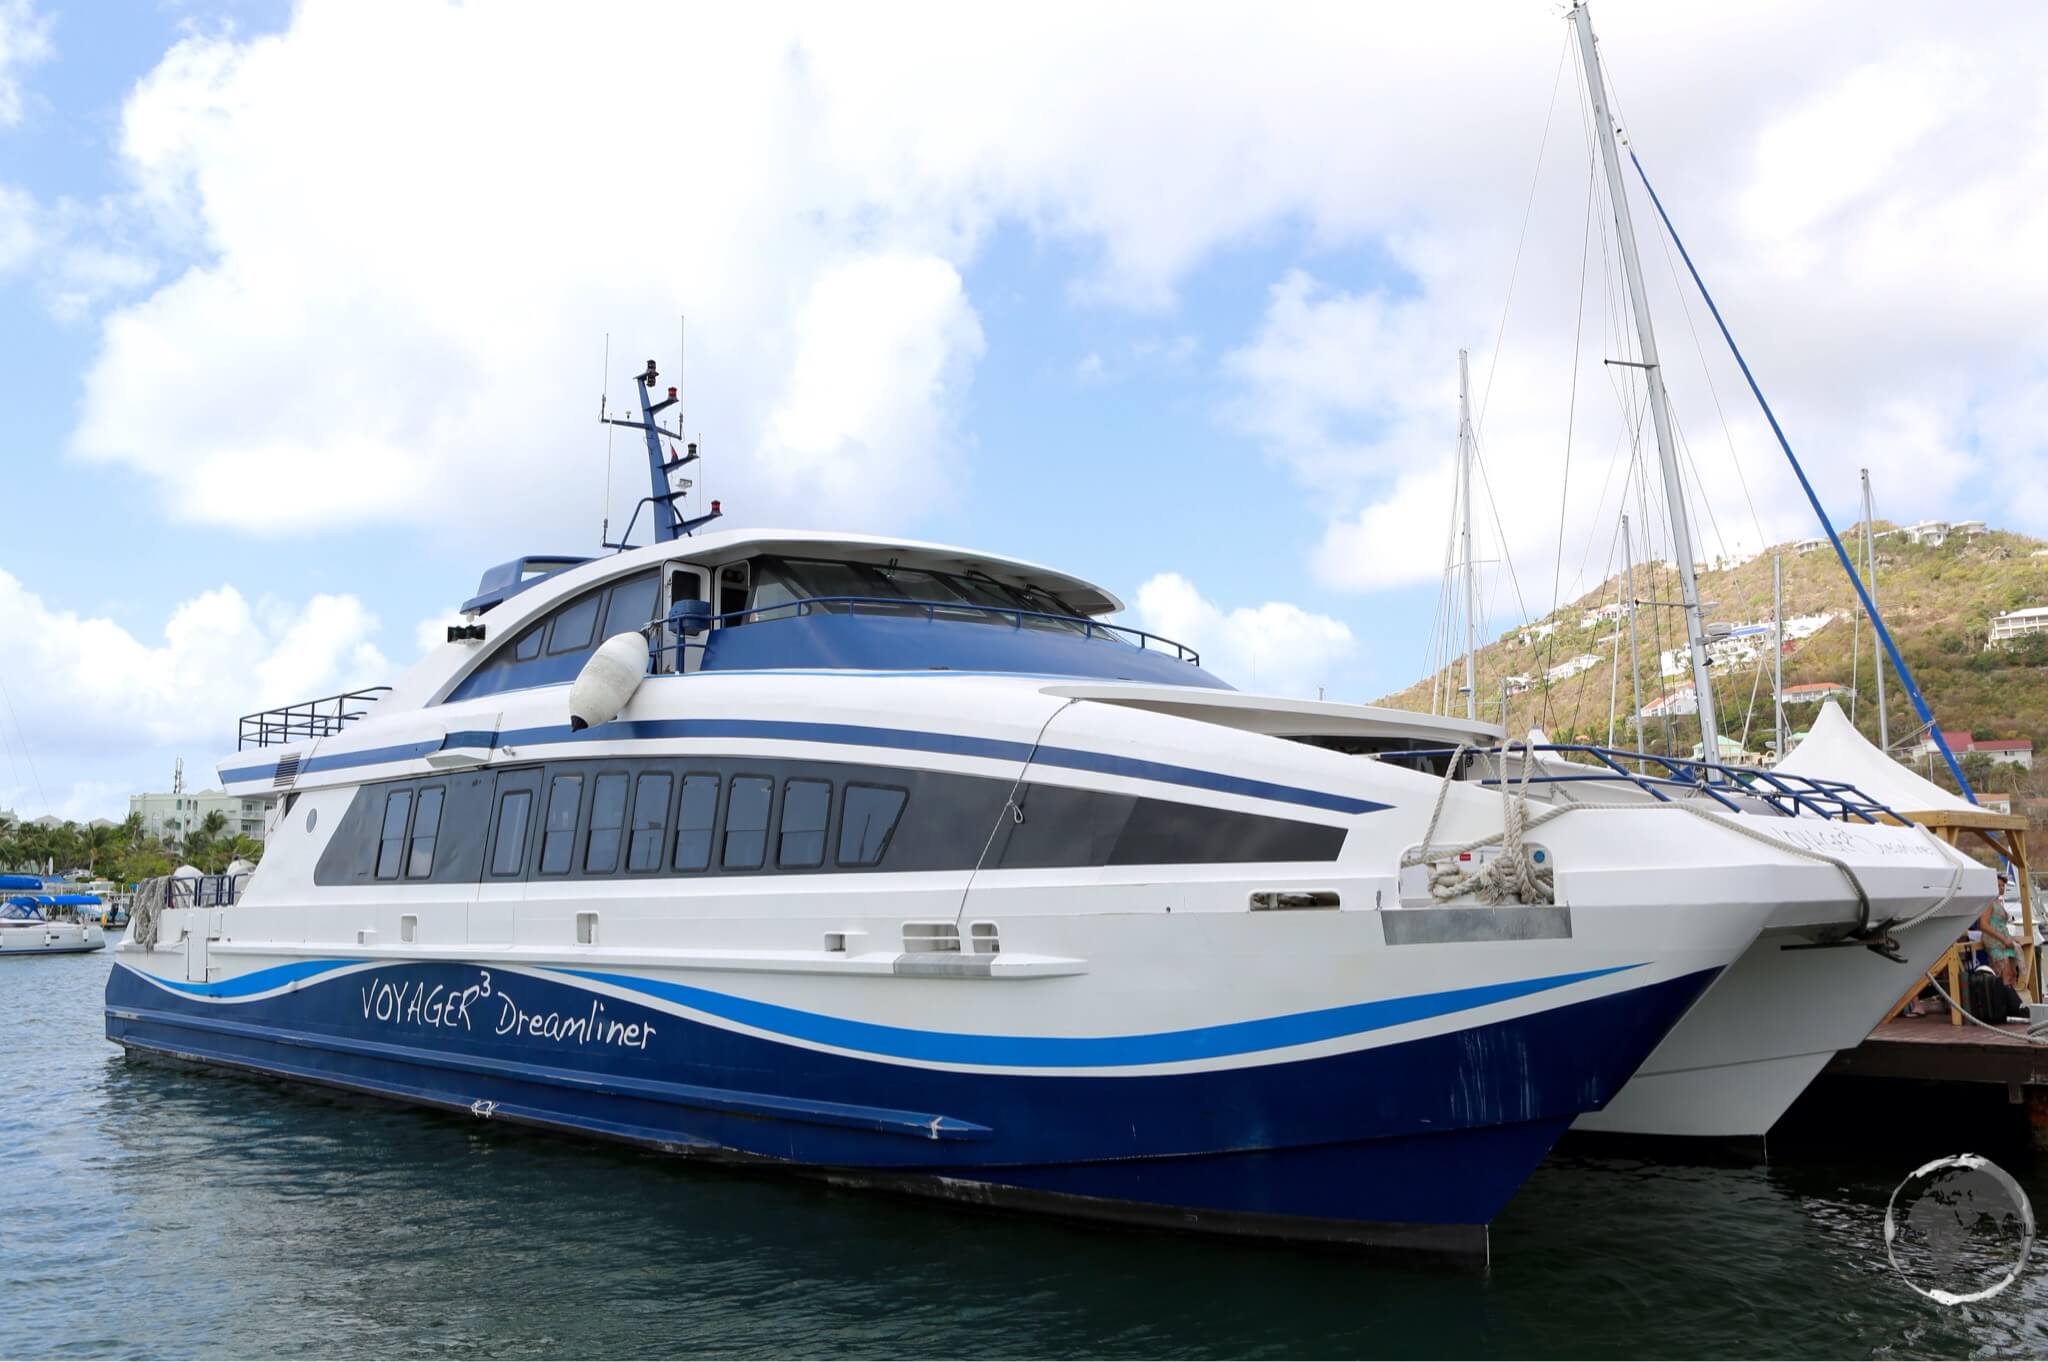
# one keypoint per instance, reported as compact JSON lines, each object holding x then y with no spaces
{"x":171,"y":816}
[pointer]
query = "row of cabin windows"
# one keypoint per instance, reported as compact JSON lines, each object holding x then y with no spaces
{"x":631,"y":817}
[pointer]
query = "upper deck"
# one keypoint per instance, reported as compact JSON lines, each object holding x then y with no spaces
{"x":771,"y":600}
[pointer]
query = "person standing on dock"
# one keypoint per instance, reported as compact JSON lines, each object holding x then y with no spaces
{"x":1999,"y":947}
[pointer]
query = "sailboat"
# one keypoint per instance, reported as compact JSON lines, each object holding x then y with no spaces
{"x":1820,"y":975}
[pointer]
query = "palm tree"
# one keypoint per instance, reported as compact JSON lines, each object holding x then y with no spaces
{"x":204,"y":846}
{"x":103,"y":840}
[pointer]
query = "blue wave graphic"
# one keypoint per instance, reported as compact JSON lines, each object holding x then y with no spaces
{"x":1074,"y":1052}
{"x":259,"y":981}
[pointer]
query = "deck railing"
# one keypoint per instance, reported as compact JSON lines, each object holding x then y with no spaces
{"x":307,"y":719}
{"x":206,"y":891}
{"x":1740,"y":789}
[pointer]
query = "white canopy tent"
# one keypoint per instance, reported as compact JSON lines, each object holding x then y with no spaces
{"x":1834,"y":750}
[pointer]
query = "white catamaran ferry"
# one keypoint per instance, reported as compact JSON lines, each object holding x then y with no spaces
{"x":894,"y":864}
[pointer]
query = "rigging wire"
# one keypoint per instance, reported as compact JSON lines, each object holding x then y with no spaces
{"x":1570,"y":428}
{"x":1515,"y":268}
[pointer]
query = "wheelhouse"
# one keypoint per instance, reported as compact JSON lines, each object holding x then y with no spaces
{"x":736,"y":602}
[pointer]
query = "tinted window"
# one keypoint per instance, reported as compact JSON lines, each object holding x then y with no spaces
{"x":867,"y":815}
{"x":695,"y":819}
{"x":650,"y":817}
{"x":559,"y":836}
{"x":389,"y":844}
{"x":419,"y":859}
{"x":607,"y":819}
{"x":528,"y":646}
{"x":575,"y":623}
{"x":509,"y":856}
{"x":746,"y":822}
{"x":632,"y":604}
{"x":806,"y":804}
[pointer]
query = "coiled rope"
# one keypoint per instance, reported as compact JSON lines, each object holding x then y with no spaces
{"x":151,"y":897}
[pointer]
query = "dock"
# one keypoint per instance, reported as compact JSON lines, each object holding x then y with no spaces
{"x":1932,"y":1049}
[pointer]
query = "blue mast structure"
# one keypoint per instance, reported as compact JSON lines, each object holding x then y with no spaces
{"x":1869,"y":606}
{"x":669,"y":523}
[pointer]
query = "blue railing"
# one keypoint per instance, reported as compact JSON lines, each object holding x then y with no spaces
{"x":932,"y":612}
{"x":1787,"y":795}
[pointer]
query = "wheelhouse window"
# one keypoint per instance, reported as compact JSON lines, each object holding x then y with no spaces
{"x":696,"y":818}
{"x":650,"y":820}
{"x":779,"y":583}
{"x":390,"y":845}
{"x":607,"y":822}
{"x":746,"y":823}
{"x":867,"y":818}
{"x":806,"y":809}
{"x":631,"y":605}
{"x":508,"y":853}
{"x":575,"y":628}
{"x":558,"y":838}
{"x":426,"y":824}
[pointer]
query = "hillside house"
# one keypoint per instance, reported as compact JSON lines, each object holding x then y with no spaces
{"x":2009,"y":751}
{"x":1613,"y":610}
{"x":2015,"y":624}
{"x":1813,"y":692}
{"x":1571,"y":667}
{"x":1684,"y":700}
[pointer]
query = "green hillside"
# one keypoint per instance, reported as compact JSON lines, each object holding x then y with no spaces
{"x":1938,"y":601}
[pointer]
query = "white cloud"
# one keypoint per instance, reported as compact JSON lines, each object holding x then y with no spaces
{"x":431,"y":632}
{"x":87,"y":275}
{"x":24,"y":41}
{"x":19,"y":235}
{"x":433,"y":274}
{"x":85,"y":694}
{"x":1274,"y":648}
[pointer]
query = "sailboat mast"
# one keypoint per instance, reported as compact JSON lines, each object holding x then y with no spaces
{"x":1635,"y":663}
{"x":1653,"y":375}
{"x":1884,"y":740}
{"x":1471,"y":590}
{"x":1778,"y":649}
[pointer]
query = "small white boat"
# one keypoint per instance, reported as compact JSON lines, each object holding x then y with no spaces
{"x":35,"y":923}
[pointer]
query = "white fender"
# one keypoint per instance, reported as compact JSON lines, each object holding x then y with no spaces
{"x":607,"y":681}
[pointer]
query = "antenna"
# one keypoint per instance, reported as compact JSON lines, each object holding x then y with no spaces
{"x":664,"y":489}
{"x":604,"y":530}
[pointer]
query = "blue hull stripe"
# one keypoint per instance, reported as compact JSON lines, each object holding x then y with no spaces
{"x":1223,"y":1041}
{"x":1076,"y":1052}
{"x":260,"y":981}
{"x":854,"y":735}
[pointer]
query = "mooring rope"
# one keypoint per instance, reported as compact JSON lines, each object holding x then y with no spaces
{"x":150,"y":897}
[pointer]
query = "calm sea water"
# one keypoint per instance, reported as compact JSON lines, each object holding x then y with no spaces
{"x":157,"y":1211}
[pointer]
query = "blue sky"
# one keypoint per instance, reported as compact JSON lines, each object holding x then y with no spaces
{"x":304,"y":308}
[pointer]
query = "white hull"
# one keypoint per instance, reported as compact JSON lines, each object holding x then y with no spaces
{"x":1764,"y":1031}
{"x":50,"y":938}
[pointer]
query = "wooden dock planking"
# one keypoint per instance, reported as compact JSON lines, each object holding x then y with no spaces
{"x":1931,"y":1049}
